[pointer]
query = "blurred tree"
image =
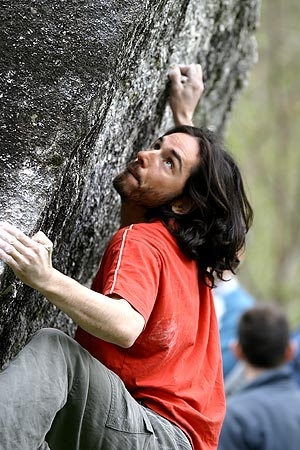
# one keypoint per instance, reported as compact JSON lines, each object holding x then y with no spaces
{"x":264,"y":135}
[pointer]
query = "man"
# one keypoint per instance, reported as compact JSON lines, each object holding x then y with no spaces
{"x":265,"y":413}
{"x":149,"y":317}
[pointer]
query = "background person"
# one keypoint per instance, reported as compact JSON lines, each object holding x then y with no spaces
{"x":265,"y":413}
{"x":231,"y":300}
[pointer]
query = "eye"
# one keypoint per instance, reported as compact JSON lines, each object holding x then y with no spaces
{"x":169,"y":163}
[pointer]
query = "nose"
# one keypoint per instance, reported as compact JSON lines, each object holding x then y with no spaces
{"x":143,"y":158}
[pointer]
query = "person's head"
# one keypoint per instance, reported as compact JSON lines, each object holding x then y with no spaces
{"x":157,"y":177}
{"x":264,"y":337}
{"x":204,"y":205}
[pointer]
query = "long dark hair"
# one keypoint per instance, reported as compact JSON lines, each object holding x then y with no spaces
{"x":214,"y":231}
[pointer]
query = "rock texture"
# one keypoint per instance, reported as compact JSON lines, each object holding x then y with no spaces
{"x":83,"y":86}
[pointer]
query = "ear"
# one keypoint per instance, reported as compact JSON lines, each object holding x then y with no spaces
{"x":183,"y":205}
{"x":236,"y":350}
{"x":290,"y":351}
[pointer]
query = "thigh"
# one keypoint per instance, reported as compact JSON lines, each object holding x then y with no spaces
{"x":131,"y":426}
{"x":99,"y":413}
{"x":127,"y":426}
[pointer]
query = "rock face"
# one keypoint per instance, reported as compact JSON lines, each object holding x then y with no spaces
{"x":83,"y":86}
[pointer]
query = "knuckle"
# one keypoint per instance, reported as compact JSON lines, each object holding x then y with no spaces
{"x":6,"y":246}
{"x":9,"y":249}
{"x":199,"y":84}
{"x":5,"y":257}
{"x":31,"y":255}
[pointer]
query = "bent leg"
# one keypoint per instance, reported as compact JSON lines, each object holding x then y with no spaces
{"x":49,"y":372}
{"x":54,"y":390}
{"x":32,"y":389}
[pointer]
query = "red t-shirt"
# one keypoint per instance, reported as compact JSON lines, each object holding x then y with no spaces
{"x":174,"y":367}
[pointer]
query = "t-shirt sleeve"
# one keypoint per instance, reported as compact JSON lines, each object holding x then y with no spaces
{"x":130,"y":268}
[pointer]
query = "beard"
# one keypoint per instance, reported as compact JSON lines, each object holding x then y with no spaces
{"x":119,"y":183}
{"x":146,"y":198}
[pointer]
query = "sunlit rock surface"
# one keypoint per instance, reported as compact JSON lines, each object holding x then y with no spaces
{"x":83,"y":87}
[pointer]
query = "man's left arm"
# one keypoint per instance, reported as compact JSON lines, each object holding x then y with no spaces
{"x":186,"y":90}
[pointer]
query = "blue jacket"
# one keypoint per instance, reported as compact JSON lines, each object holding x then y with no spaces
{"x":231,"y":300}
{"x":295,"y":363}
{"x":264,"y":414}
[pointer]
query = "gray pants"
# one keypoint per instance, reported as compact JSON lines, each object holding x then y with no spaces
{"x":54,"y":391}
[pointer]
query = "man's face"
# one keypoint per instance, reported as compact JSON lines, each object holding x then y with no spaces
{"x":159,"y":175}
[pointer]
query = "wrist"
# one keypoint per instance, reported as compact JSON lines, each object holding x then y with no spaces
{"x":48,"y":286}
{"x":183,"y":119}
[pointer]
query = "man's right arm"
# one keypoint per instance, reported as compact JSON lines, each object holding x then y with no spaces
{"x":110,"y":318}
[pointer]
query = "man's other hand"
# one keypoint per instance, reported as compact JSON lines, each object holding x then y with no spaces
{"x":186,"y":90}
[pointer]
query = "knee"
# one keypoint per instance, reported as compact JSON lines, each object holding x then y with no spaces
{"x":50,"y":335}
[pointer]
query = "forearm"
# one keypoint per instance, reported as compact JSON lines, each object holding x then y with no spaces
{"x":110,"y":319}
{"x":182,"y":119}
{"x":186,"y":90}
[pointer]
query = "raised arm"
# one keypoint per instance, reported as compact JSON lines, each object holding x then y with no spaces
{"x":111,"y":319}
{"x":186,"y":90}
